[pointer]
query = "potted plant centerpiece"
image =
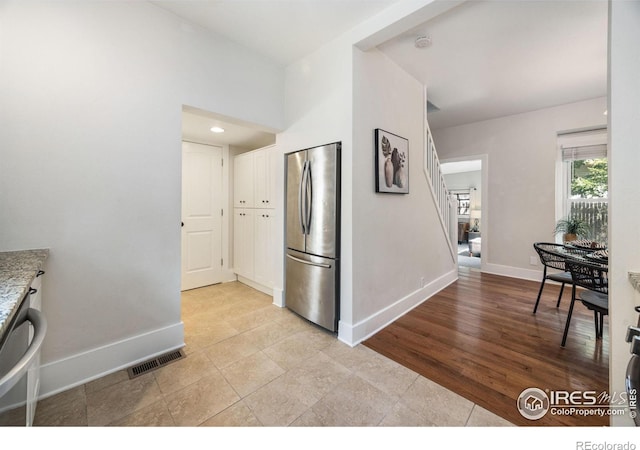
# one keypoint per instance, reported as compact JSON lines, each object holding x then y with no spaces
{"x":571,"y":228}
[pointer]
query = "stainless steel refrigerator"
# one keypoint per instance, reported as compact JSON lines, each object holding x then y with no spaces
{"x":313,"y":234}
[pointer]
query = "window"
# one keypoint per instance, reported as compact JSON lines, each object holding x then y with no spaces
{"x":464,"y":202}
{"x":585,"y":185}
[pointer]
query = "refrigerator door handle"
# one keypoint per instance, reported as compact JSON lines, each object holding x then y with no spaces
{"x":324,"y":266}
{"x":309,"y":198}
{"x":302,"y":199}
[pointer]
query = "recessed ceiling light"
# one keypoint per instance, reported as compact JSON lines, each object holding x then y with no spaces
{"x":606,"y":112}
{"x":217,"y":129}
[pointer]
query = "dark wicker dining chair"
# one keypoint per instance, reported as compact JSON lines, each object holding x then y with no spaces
{"x":594,"y":279}
{"x":552,"y":258}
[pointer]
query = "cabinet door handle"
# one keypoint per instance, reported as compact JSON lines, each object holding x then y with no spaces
{"x":32,"y":291}
{"x":40,"y":273}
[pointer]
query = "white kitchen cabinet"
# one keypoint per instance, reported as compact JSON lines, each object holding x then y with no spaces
{"x":243,"y":242}
{"x":243,"y":181}
{"x":264,"y":167}
{"x":255,"y":212}
{"x":264,"y":250}
{"x":253,"y":250}
{"x":253,"y":175}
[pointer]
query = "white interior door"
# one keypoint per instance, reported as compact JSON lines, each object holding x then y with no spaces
{"x":201,"y":215}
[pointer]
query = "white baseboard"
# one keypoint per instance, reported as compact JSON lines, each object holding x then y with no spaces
{"x":257,"y":286}
{"x":354,"y":334}
{"x":229,"y":276}
{"x":513,"y":272}
{"x":78,"y":369}
{"x":276,"y":293}
{"x":278,"y":297}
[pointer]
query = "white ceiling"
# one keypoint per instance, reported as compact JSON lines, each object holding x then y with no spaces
{"x":461,"y":166}
{"x":197,"y":124}
{"x":282,"y":30}
{"x":487,"y":58}
{"x":496,"y":58}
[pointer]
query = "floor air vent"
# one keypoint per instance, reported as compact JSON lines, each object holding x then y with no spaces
{"x":155,"y":363}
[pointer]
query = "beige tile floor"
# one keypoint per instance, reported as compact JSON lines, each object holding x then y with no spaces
{"x":250,"y":363}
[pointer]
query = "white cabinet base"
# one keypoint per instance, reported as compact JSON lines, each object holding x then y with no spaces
{"x":257,"y":286}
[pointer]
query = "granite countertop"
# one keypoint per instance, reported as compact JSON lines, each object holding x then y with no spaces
{"x":17,"y":271}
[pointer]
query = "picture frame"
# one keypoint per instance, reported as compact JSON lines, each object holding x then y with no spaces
{"x":392,"y":162}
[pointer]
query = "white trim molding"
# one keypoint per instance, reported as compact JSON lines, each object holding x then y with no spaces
{"x":353,"y":334}
{"x":278,"y":297}
{"x":58,"y":376}
{"x":513,"y":272}
{"x":257,"y":286}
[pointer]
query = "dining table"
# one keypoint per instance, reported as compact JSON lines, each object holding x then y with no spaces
{"x":586,"y":250}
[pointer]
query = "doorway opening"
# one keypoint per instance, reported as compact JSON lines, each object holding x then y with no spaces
{"x":464,"y":179}
{"x":210,"y":142}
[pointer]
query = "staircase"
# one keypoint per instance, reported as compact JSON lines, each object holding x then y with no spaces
{"x":445,"y":202}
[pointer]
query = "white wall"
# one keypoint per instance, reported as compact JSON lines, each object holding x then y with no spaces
{"x":624,"y":160}
{"x":521,"y":152}
{"x":318,"y":110}
{"x":90,"y":144}
{"x":399,"y":247}
{"x":320,"y":94}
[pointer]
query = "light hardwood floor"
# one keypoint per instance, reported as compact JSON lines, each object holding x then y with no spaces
{"x":250,"y":363}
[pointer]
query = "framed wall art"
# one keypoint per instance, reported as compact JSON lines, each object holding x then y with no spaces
{"x":392,"y":163}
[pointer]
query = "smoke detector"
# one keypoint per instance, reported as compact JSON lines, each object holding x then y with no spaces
{"x":423,"y":41}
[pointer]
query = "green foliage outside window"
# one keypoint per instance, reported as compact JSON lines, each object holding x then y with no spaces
{"x":589,"y":178}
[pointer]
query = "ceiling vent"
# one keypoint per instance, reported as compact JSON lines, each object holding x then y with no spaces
{"x":431,"y":107}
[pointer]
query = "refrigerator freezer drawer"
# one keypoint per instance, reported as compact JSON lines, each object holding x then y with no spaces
{"x":311,"y":288}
